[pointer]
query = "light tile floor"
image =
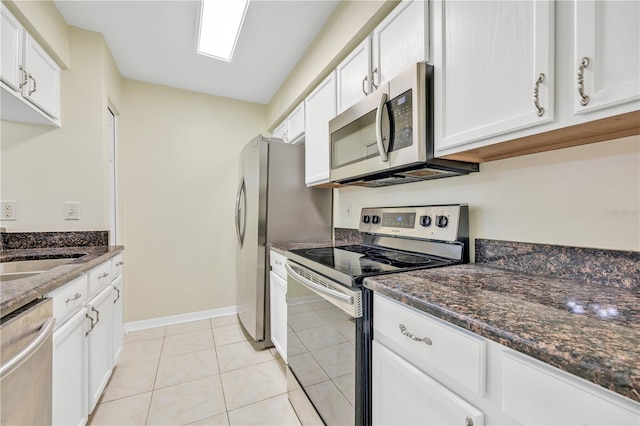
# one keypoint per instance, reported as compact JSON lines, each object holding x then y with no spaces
{"x":197,"y":373}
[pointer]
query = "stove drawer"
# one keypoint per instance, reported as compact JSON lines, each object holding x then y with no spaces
{"x":434,"y":346}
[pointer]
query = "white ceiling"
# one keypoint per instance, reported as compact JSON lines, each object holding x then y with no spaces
{"x":155,"y":41}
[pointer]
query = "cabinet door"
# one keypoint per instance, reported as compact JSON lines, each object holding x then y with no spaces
{"x":100,"y":340}
{"x":11,"y":50}
{"x":278,"y":300}
{"x":43,"y":85}
{"x":353,"y":76}
{"x":118,"y":320}
{"x":70,"y":371}
{"x":493,"y":68}
{"x":607,"y":39}
{"x":400,"y":40}
{"x":295,"y":124}
{"x":404,"y":395}
{"x":280,"y":132}
{"x":320,"y":108}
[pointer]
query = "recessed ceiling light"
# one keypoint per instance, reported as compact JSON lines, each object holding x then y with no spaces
{"x":220,"y":24}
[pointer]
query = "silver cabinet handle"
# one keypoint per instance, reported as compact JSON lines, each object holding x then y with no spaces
{"x":118,"y":295}
{"x":536,"y":95}
{"x":379,"y":137}
{"x":468,"y":421}
{"x":373,"y":80}
{"x":120,"y":263}
{"x":364,"y":80}
{"x":75,"y":297}
{"x":93,"y":324}
{"x":35,"y":85}
{"x":404,"y":331}
{"x":33,"y":346}
{"x":25,"y":78}
{"x":97,"y":314}
{"x":584,"y":62}
{"x":104,"y":275}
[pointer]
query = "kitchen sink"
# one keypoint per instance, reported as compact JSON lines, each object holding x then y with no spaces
{"x":28,"y":268}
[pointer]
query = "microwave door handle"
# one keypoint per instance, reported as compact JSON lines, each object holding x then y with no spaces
{"x":379,"y":137}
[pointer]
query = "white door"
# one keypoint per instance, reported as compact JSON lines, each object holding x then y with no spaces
{"x":11,"y":50}
{"x":493,"y":68}
{"x":320,"y":108}
{"x":404,"y":395}
{"x":278,"y":300}
{"x":400,"y":40}
{"x":118,"y":318}
{"x":70,"y":371}
{"x":43,"y":85}
{"x":607,"y":54}
{"x":353,"y":76}
{"x":100,"y":340}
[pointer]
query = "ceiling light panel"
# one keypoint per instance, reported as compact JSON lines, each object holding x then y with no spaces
{"x":220,"y":24}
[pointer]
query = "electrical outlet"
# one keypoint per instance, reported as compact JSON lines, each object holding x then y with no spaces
{"x":347,"y":211}
{"x":9,"y":210}
{"x":71,"y":210}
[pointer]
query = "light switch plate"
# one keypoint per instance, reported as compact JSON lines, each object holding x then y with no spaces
{"x":9,"y":210}
{"x":71,"y":210}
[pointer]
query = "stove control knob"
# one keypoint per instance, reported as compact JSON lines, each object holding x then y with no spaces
{"x":425,"y":221}
{"x":375,"y":219}
{"x":442,"y":221}
{"x":366,"y":218}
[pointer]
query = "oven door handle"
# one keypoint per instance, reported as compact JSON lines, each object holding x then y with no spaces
{"x":321,"y":290}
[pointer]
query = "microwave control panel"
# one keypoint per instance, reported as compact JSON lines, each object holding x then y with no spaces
{"x":401,"y":113}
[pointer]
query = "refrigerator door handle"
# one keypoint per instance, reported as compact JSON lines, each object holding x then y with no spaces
{"x":240,"y":227}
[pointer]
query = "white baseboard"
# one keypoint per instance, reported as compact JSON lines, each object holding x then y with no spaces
{"x":178,"y":319}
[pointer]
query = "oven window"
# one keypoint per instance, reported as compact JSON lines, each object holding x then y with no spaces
{"x":321,"y":353}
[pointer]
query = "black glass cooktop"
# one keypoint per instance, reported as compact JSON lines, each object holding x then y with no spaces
{"x":362,"y":260}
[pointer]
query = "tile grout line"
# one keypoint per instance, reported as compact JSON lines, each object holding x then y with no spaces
{"x":155,"y":378}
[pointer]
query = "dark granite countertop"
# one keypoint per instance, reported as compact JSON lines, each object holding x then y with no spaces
{"x":17,"y":293}
{"x":586,"y":329}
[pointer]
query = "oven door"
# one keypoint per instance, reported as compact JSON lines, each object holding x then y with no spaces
{"x":324,"y":342}
{"x":384,"y":131}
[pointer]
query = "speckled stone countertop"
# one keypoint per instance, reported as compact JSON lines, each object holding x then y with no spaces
{"x":589,"y":330}
{"x":17,"y":293}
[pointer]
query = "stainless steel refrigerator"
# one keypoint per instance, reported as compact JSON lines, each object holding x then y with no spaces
{"x":273,"y":205}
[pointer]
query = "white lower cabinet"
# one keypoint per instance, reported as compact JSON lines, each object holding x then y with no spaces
{"x":278,"y":302}
{"x":404,"y":395}
{"x":412,"y":383}
{"x":100,"y":340}
{"x":118,"y":318}
{"x":70,"y":371}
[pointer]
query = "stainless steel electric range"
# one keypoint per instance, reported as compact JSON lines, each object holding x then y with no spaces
{"x":329,"y":313}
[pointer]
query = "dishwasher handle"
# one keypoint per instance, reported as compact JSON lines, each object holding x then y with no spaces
{"x":45,"y":332}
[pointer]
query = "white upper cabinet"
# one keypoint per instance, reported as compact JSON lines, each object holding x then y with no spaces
{"x":401,"y":39}
{"x":320,"y":108}
{"x":607,"y":54}
{"x":353,"y":76}
{"x":295,"y":124}
{"x":493,"y":68}
{"x":280,"y":131}
{"x":43,"y":78}
{"x":30,"y":88}
{"x":11,"y":54}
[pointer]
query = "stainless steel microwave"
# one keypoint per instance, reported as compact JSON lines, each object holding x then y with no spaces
{"x":387,"y":137}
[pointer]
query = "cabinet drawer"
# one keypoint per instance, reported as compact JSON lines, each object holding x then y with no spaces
{"x":69,"y":298}
{"x":454,"y":352}
{"x":277,"y":262}
{"x":116,"y":266}
{"x":534,"y":393}
{"x":99,"y":277}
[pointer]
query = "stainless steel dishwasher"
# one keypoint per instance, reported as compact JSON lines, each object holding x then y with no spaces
{"x":26,"y":348}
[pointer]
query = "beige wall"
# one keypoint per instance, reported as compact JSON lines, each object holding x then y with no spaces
{"x":42,"y":166}
{"x":587,"y":196}
{"x":345,"y":29}
{"x":179,"y":153}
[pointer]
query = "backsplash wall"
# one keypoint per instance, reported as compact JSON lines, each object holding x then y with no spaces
{"x":587,"y":196}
